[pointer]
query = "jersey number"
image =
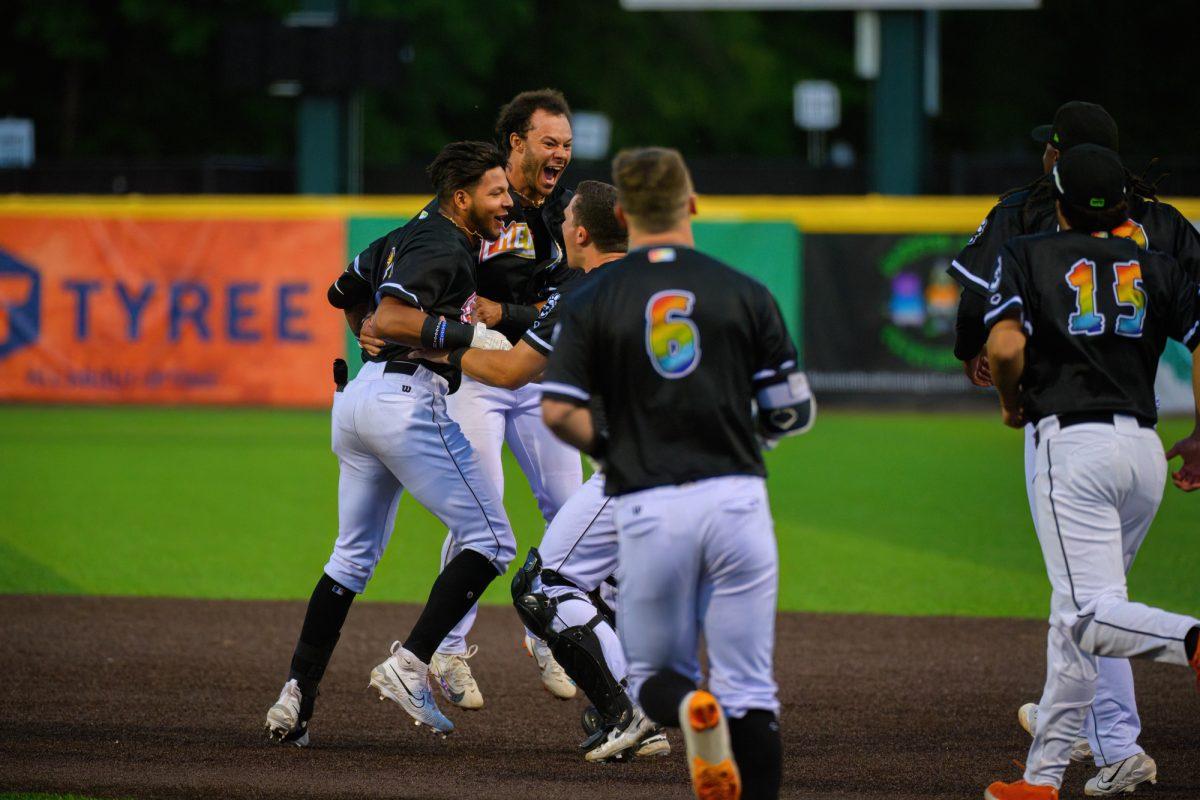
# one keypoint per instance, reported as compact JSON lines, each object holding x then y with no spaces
{"x":1127,"y":289}
{"x":672,"y":339}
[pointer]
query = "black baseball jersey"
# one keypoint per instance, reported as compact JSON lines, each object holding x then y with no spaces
{"x":1098,"y":312}
{"x":1153,"y":225}
{"x":540,"y":335}
{"x":526,"y":263}
{"x":428,"y":263}
{"x":672,"y":342}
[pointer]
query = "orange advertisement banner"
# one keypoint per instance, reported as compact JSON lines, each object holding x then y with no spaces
{"x":127,"y":310}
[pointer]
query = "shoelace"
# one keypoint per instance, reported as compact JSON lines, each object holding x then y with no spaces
{"x":459,"y":672}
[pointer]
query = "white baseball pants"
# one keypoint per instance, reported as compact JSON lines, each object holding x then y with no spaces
{"x":490,"y":417}
{"x":1096,"y":489}
{"x":1112,"y":725}
{"x":391,"y":432}
{"x":701,"y":557}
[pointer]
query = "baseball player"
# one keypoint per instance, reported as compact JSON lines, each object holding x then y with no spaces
{"x":677,"y":348}
{"x":579,"y":550}
{"x":391,"y":433}
{"x":517,"y":273}
{"x":1112,"y":726}
{"x":1077,"y":326}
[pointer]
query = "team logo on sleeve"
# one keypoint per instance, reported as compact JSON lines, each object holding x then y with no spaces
{"x":994,"y":286}
{"x":389,"y":264}
{"x":515,"y":238}
{"x":672,"y":338}
{"x":978,"y":232}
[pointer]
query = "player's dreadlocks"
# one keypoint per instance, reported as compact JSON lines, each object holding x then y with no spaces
{"x":1040,"y":195}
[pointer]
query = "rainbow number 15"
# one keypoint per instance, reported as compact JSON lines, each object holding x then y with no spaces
{"x":1127,"y":290}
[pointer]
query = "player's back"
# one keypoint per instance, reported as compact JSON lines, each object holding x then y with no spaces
{"x":1098,"y":312}
{"x":683,"y":335}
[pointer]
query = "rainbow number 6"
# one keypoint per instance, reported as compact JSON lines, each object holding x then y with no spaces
{"x":672,"y":339}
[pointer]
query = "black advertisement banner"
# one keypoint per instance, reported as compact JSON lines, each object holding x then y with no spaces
{"x":879,"y":313}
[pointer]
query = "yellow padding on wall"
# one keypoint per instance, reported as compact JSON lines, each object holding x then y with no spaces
{"x":828,"y":214}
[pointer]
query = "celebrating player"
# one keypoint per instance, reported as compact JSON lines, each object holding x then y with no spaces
{"x":391,"y":432}
{"x":1112,"y":727}
{"x":517,"y":272}
{"x":1077,"y":325}
{"x":676,"y":347}
{"x":579,"y":550}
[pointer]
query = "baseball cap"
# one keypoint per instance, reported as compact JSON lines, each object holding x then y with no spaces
{"x":1089,"y":177}
{"x":1077,"y":123}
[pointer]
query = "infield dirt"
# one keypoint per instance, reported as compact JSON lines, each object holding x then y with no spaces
{"x":165,"y":698}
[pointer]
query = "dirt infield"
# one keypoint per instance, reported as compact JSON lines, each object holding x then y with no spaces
{"x":165,"y":698}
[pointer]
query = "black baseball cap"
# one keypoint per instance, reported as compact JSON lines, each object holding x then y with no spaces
{"x":1089,"y":177}
{"x":1077,"y":123}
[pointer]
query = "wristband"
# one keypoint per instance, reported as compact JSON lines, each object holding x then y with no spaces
{"x":438,"y":333}
{"x":456,"y":356}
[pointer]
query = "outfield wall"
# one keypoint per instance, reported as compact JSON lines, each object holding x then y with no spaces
{"x":220,"y":300}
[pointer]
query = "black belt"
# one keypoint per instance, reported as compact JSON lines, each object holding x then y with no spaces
{"x":401,"y":367}
{"x":1085,"y":417}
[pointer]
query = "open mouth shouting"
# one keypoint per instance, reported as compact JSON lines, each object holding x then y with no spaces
{"x":549,"y":176}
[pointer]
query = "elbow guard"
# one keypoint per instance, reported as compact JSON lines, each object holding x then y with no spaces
{"x":348,"y":291}
{"x":786,"y":406}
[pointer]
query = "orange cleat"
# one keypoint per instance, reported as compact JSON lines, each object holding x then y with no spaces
{"x":709,"y":752}
{"x":1019,"y":790}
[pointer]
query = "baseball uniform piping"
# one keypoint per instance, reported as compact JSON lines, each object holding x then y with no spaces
{"x":1057,"y":529}
{"x":467,"y":483}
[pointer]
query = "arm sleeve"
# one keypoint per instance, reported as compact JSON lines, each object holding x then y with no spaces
{"x":1185,"y":316}
{"x":540,"y":333}
{"x":1187,"y":246}
{"x":974,"y":266}
{"x":569,"y":374}
{"x":775,"y":353}
{"x":353,"y":286}
{"x":421,"y":276}
{"x":1010,"y":300}
{"x":969,"y":333}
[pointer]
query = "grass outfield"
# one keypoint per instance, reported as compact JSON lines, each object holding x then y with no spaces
{"x":880,"y":513}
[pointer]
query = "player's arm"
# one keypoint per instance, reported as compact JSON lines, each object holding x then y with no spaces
{"x":1006,"y":325}
{"x":1186,"y":329}
{"x":970,"y":337}
{"x":507,"y":369}
{"x":784,"y":402}
{"x":414,"y":284}
{"x":567,"y":385}
{"x":1006,"y":356}
{"x":571,"y":422}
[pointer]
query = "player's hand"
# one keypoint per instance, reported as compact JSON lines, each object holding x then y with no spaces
{"x":367,"y":339}
{"x":1013,"y":417}
{"x":978,"y":371}
{"x":436,"y":356}
{"x":487,"y":312}
{"x":1187,"y":477}
{"x":487,"y":339}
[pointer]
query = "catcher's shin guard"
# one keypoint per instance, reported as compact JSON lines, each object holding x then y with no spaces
{"x":578,"y":650}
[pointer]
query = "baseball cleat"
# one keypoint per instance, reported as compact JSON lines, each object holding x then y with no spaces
{"x":1019,"y":790}
{"x":454,"y":677}
{"x":284,"y":724}
{"x":554,"y":678}
{"x":404,"y":679}
{"x":1124,"y":776}
{"x":709,"y":752}
{"x":1081,"y":751}
{"x":621,"y":740}
{"x":655,"y":744}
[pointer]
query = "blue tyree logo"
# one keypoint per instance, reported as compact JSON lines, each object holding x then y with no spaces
{"x":20,"y":304}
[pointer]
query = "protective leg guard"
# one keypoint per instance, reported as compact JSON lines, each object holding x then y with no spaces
{"x":578,"y":650}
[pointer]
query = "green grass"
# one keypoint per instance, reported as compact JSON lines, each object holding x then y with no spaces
{"x":37,"y":796}
{"x":880,"y":513}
